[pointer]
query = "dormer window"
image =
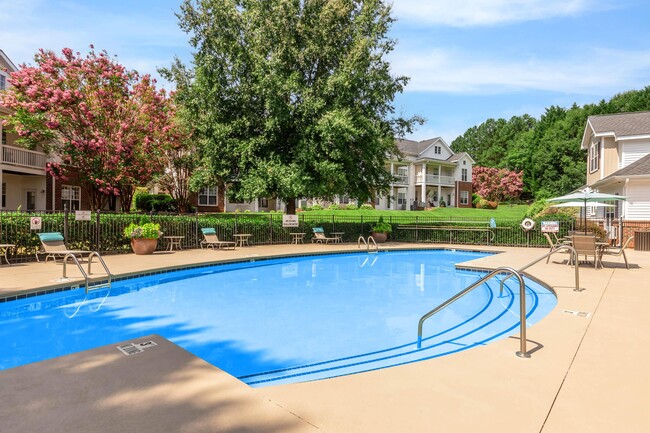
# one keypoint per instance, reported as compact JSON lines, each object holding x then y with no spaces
{"x":464,"y":162}
{"x":437,"y":150}
{"x":594,"y":156}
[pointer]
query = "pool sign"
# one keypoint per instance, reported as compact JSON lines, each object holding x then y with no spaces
{"x":550,"y":226}
{"x":82,"y":215}
{"x":35,"y":223}
{"x":289,"y":220}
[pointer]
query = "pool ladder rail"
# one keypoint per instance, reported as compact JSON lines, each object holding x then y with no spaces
{"x":522,"y":353}
{"x":367,"y":242}
{"x":86,"y":275}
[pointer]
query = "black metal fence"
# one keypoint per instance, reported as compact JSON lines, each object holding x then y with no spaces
{"x":104,"y":231}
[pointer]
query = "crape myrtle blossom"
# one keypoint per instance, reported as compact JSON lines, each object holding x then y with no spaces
{"x":497,"y":184}
{"x":107,"y":124}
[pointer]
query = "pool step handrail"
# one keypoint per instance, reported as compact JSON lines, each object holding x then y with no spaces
{"x":574,"y":253}
{"x":86,"y":274}
{"x":367,"y":242}
{"x":522,"y":306}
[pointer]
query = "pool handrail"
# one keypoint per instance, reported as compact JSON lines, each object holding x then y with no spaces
{"x":522,"y":306}
{"x":367,"y":243}
{"x":83,"y":273}
{"x":549,"y":254}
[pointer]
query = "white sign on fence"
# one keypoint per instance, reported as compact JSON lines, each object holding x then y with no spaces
{"x":82,"y":215}
{"x":550,"y":226}
{"x":289,"y":220}
{"x":35,"y":223}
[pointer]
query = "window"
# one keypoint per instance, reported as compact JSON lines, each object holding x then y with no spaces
{"x":3,"y":137}
{"x":437,"y":150}
{"x":4,"y":194}
{"x":377,"y":200}
{"x":401,"y":199}
{"x":208,"y":196}
{"x":263,"y":202}
{"x":3,"y":82}
{"x":71,"y":197}
{"x":464,"y":197}
{"x":594,"y":154}
{"x":463,"y":175}
{"x":464,"y":162}
{"x":344,"y":199}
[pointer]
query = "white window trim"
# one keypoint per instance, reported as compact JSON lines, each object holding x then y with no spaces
{"x":206,"y":193}
{"x":69,"y":200}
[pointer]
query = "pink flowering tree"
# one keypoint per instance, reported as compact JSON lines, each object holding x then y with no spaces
{"x":101,"y":122}
{"x":497,"y":184}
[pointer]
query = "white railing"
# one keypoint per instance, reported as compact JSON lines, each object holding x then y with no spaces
{"x":433,"y":179}
{"x":401,"y":179}
{"x":23,"y":157}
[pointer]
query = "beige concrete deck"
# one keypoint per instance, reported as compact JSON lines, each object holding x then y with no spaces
{"x":586,"y":374}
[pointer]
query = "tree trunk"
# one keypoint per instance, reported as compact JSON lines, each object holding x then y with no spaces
{"x":291,"y":206}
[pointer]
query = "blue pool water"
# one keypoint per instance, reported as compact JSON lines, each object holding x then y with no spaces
{"x":281,"y":320}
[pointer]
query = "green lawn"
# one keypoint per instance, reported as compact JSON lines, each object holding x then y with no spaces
{"x":503,"y":211}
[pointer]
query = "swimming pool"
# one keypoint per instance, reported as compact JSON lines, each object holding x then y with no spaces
{"x":281,"y":320}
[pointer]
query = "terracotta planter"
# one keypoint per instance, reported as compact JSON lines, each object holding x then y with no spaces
{"x":144,"y":246}
{"x":379,"y":237}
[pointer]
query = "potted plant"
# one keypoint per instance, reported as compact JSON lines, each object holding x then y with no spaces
{"x":381,"y":230}
{"x":144,"y":237}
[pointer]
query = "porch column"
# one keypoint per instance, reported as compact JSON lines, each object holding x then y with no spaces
{"x":410,"y":191}
{"x":423,"y":192}
{"x":439,"y":184}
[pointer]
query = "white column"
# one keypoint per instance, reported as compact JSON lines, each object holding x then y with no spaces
{"x":410,"y":192}
{"x":423,"y":192}
{"x":439,"y":185}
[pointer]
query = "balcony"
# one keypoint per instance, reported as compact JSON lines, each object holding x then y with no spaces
{"x":434,"y":179}
{"x":24,"y":158}
{"x":401,"y":179}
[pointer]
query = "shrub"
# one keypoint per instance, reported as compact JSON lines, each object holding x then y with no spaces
{"x":142,"y":231}
{"x":381,"y":226}
{"x":475,"y":199}
{"x":537,"y":208}
{"x":334,"y":206}
{"x":155,"y":203}
{"x":367,"y":206}
{"x":486,"y":204}
{"x":316,"y":207}
{"x":352,"y":206}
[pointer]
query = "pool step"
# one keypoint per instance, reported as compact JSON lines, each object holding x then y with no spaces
{"x":497,"y":319}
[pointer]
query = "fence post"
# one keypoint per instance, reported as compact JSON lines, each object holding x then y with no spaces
{"x":98,"y":232}
{"x":361,"y":230}
{"x":65,"y":223}
{"x":196,"y":228}
{"x":417,"y":237}
{"x":333,"y":229}
{"x":271,"y":228}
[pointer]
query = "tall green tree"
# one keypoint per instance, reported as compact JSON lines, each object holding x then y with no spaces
{"x":292,"y":98}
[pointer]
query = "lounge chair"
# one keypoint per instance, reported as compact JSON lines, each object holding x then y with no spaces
{"x":319,"y":236}
{"x":211,"y":239}
{"x":618,"y":251}
{"x":585,"y":245}
{"x":54,"y":246}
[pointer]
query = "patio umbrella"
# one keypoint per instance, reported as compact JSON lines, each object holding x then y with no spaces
{"x":587,"y":197}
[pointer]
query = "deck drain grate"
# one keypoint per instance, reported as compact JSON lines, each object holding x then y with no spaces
{"x":578,"y":313}
{"x":133,"y":348}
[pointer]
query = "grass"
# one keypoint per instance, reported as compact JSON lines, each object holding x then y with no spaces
{"x":504,"y":211}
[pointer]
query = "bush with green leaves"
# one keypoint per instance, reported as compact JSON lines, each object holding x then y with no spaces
{"x":334,"y":206}
{"x":155,"y":203}
{"x":142,"y":231}
{"x":316,"y":206}
{"x":351,"y":206}
{"x":367,"y":206}
{"x":381,"y":226}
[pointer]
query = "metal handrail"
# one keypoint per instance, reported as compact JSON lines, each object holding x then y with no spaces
{"x":367,"y":243}
{"x":549,"y":254}
{"x":74,"y":258}
{"x":522,"y":307}
{"x":90,"y":261}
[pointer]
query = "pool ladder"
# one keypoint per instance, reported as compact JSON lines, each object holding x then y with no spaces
{"x":85,"y":274}
{"x":368,"y":241}
{"x":522,"y":353}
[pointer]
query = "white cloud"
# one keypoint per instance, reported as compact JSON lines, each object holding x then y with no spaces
{"x":464,"y":13}
{"x":594,"y":72}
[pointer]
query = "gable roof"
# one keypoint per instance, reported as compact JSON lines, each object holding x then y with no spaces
{"x":619,"y":126}
{"x":457,"y":156}
{"x":10,"y":64}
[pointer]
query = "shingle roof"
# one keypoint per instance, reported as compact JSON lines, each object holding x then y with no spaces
{"x":638,"y":168}
{"x":410,"y":147}
{"x":455,"y":157}
{"x":623,"y":124}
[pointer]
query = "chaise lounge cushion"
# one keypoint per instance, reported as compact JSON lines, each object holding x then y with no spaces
{"x":50,"y":237}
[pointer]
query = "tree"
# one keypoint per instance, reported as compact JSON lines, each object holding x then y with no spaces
{"x":292,"y":98}
{"x":496,"y":184}
{"x":104,"y":122}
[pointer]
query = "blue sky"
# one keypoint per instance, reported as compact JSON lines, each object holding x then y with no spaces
{"x":469,"y":60}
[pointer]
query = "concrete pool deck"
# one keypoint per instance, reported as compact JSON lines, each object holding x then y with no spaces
{"x":586,"y":374}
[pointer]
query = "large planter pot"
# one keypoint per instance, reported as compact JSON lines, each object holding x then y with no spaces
{"x":144,"y":246}
{"x":379,"y":237}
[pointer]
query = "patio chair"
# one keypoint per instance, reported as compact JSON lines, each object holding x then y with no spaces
{"x":54,"y":246}
{"x":585,"y":245}
{"x":610,"y":251}
{"x":319,"y":236}
{"x":211,"y":239}
{"x":551,"y":243}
